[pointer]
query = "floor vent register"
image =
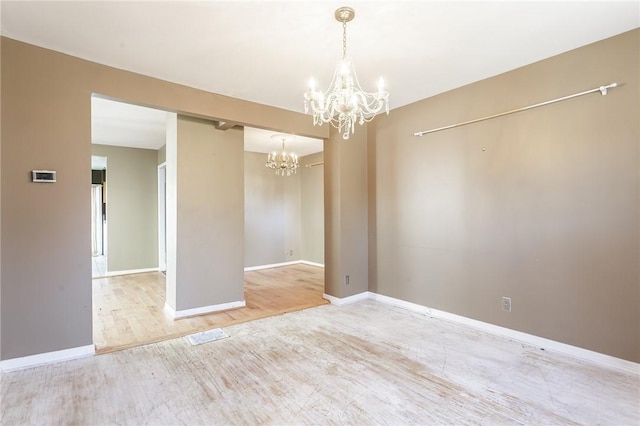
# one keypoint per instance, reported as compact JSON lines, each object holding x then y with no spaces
{"x":206,"y":336}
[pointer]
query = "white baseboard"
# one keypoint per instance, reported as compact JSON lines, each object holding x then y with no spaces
{"x":169,"y":311}
{"x":130,"y":271}
{"x":46,"y":358}
{"x":273,"y":265}
{"x":541,"y":342}
{"x":277,"y":265}
{"x":308,"y":262}
{"x":202,"y":310}
{"x":347,"y":300}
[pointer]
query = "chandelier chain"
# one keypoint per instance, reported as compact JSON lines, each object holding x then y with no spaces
{"x":344,"y":39}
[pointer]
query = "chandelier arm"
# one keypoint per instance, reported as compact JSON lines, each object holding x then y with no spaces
{"x":375,"y":95}
{"x":323,"y":115}
{"x":334,"y":79}
{"x":380,"y":96}
{"x":327,"y":110}
{"x":368,"y":103}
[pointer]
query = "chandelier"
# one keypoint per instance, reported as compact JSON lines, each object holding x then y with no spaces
{"x":345,"y":103}
{"x":282,"y":162}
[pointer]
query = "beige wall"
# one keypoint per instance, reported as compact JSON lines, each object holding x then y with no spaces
{"x":283,"y":213}
{"x":346,"y":216}
{"x":209,"y":221}
{"x":272,"y":214}
{"x":132,"y":207}
{"x":46,"y":124}
{"x":540,"y":206}
{"x":46,"y":107}
{"x":292,"y":234}
{"x":312,"y":209}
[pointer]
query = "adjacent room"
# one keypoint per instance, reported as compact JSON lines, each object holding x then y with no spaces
{"x":451,"y":235}
{"x":284,"y":233}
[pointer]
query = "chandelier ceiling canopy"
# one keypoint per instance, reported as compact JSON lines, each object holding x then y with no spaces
{"x":284,"y":164}
{"x":345,"y":103}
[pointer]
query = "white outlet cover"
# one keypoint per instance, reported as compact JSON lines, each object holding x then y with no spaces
{"x":506,"y":304}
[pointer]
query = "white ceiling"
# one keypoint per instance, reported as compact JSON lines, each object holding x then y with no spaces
{"x":266,"y":51}
{"x":98,"y":162}
{"x":258,"y":140}
{"x":121,"y":124}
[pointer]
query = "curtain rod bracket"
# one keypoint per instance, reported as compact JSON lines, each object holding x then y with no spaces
{"x":604,"y":89}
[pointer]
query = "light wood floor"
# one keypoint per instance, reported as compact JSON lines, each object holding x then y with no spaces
{"x":128,"y":309}
{"x":359,"y":364}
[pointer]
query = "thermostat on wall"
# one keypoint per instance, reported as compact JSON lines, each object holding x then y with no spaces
{"x":43,"y":176}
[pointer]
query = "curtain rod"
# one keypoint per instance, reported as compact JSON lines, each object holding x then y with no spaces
{"x":601,"y":89}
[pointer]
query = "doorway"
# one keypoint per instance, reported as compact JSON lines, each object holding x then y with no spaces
{"x":128,"y":304}
{"x":284,"y":214}
{"x":98,"y":216}
{"x":125,"y":232}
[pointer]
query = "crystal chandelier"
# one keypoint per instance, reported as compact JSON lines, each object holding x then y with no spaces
{"x":282,"y":162}
{"x":345,"y":102}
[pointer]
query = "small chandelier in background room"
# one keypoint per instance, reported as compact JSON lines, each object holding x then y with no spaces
{"x":345,"y":102}
{"x":281,"y":162}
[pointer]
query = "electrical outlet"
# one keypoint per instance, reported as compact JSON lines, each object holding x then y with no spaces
{"x":346,"y":280}
{"x":290,"y":252}
{"x":506,"y":304}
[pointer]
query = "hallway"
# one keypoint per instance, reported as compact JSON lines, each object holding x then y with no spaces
{"x":128,"y":309}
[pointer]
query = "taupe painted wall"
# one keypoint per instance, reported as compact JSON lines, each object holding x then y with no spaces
{"x":312,"y":209}
{"x":210,"y":226}
{"x":132,"y":207}
{"x":292,"y":234}
{"x":283,"y":213}
{"x":46,"y":107}
{"x":46,"y":269}
{"x":540,"y":206}
{"x":346,"y":216}
{"x":272,"y":214}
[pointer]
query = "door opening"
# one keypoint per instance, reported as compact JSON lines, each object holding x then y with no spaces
{"x":98,"y":216}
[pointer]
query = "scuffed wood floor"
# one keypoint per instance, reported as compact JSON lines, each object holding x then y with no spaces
{"x":365,"y":363}
{"x":128,"y":310}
